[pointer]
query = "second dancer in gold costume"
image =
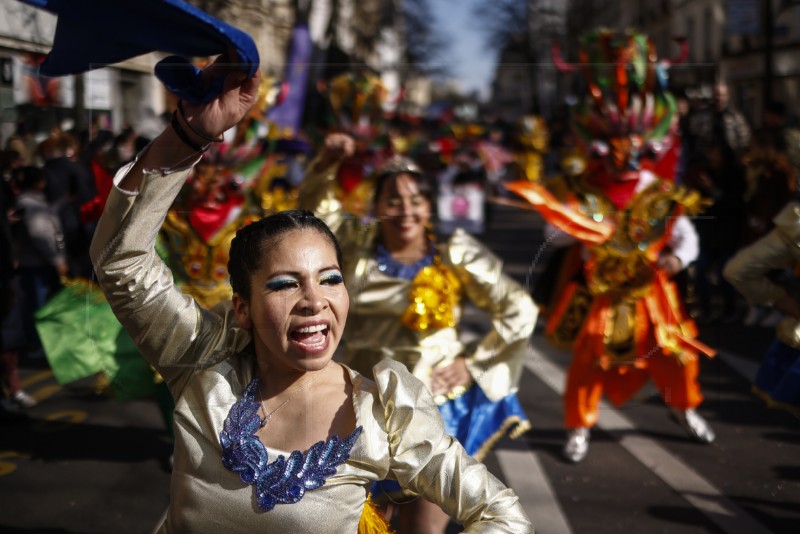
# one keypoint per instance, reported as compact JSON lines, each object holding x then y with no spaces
{"x":407,"y":292}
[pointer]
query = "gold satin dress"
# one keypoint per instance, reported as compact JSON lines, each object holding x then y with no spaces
{"x":201,"y":355}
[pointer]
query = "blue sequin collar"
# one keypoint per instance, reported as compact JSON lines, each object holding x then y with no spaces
{"x":283,"y":481}
{"x":391,"y":267}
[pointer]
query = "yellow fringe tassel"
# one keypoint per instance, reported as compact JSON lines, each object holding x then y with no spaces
{"x":372,"y":520}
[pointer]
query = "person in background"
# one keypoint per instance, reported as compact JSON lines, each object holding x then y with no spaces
{"x":12,"y":335}
{"x":23,"y":143}
{"x":408,"y":292}
{"x":39,"y":241}
{"x":771,"y":171}
{"x":778,"y":379}
{"x":719,"y":176}
{"x":718,"y":123}
{"x":68,"y":186}
{"x":621,"y":312}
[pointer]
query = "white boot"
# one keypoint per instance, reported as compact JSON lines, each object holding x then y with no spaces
{"x":23,"y":400}
{"x":695,"y":425}
{"x":577,"y":445}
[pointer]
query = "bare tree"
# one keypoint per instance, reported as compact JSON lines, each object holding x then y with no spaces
{"x":425,"y":44}
{"x":502,"y":22}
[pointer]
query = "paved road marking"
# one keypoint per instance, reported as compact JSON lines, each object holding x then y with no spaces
{"x":746,"y":368}
{"x":34,"y":378}
{"x":44,"y":392}
{"x":8,"y":467}
{"x":58,"y":421}
{"x":523,"y":472}
{"x":679,"y":476}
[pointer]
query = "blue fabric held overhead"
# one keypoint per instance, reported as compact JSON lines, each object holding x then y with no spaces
{"x":91,"y":34}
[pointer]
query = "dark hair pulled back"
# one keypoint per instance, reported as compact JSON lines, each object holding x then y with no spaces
{"x":251,"y":241}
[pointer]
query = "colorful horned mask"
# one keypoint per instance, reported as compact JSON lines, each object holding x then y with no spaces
{"x":626,"y":115}
{"x":356,"y":96}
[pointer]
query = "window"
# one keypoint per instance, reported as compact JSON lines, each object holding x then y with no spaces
{"x":707,"y":51}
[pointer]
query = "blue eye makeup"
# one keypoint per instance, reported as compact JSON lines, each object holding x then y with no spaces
{"x":278,"y":284}
{"x":332,"y":278}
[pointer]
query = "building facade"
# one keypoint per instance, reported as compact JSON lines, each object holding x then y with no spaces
{"x":128,"y":94}
{"x":116,"y":96}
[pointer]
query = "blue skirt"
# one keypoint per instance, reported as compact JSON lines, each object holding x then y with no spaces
{"x":778,"y":379}
{"x":477,"y":423}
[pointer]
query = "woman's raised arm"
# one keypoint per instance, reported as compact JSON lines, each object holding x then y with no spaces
{"x":169,"y":329}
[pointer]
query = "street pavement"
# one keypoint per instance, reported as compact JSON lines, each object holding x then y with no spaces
{"x":85,"y":463}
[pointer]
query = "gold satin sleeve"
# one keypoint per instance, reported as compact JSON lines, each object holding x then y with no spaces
{"x":428,"y":461}
{"x":747,"y":270}
{"x":170,"y":330}
{"x":496,"y":363}
{"x":319,"y":193}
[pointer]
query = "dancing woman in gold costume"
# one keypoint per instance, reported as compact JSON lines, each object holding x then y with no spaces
{"x":256,"y":447}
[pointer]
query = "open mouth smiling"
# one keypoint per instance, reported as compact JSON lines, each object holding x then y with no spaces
{"x":311,"y":337}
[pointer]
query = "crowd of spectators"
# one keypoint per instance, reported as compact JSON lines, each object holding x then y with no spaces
{"x":48,"y":195}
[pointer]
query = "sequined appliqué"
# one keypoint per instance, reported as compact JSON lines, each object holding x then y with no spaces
{"x":283,"y":481}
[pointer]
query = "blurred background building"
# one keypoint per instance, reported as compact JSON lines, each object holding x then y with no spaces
{"x":750,"y":44}
{"x":344,"y":33}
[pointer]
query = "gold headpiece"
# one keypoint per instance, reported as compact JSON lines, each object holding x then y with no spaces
{"x":398,"y":164}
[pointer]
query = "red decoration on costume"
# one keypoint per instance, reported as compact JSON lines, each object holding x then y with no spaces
{"x":209,"y":218}
{"x":351,"y":173}
{"x":103,"y":182}
{"x":619,"y":192}
{"x":665,"y":166}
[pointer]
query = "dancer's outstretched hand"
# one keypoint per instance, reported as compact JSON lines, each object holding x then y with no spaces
{"x":239,"y":94}
{"x":670,"y":264}
{"x":338,"y":146}
{"x":198,"y":124}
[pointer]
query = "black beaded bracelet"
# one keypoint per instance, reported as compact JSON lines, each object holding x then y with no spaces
{"x":198,"y":133}
{"x":176,"y":125}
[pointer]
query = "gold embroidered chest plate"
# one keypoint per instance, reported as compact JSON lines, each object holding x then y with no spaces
{"x":623,"y":266}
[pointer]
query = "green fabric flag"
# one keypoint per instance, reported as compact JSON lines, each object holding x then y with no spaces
{"x":82,"y":337}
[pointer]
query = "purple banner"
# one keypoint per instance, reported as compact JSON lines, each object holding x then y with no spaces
{"x":289,"y":113}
